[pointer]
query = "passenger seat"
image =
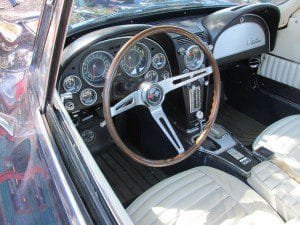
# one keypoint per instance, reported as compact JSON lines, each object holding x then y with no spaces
{"x":278,"y":180}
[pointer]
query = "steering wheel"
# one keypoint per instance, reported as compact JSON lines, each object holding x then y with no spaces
{"x":152,"y":96}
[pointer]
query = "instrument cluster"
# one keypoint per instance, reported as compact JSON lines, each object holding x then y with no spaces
{"x":82,"y":82}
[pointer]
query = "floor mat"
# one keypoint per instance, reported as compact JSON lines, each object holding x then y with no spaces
{"x":242,"y":126}
{"x":127,"y":178}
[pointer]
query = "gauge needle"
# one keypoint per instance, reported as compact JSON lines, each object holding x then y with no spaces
{"x":94,"y":71}
{"x":129,"y":62}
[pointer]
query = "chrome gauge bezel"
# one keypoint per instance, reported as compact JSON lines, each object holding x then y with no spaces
{"x":76,"y":90}
{"x":156,"y":76}
{"x":94,"y":100}
{"x":200,"y":60}
{"x":149,"y":61}
{"x":164,"y":62}
{"x":101,"y":84}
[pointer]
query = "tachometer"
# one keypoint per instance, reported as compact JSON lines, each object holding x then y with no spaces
{"x":137,"y":61}
{"x":194,"y":57}
{"x":95,"y":67}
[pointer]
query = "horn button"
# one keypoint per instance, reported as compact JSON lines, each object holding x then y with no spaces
{"x":153,"y":95}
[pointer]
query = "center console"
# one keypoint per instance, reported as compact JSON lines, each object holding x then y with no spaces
{"x":227,"y":152}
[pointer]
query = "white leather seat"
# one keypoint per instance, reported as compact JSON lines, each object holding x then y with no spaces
{"x":276,"y":180}
{"x":201,"y":195}
{"x":280,"y":190}
{"x":283,"y":138}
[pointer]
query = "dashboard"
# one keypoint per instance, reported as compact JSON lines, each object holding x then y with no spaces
{"x":84,"y":76}
{"x":147,"y":61}
{"x":232,"y":34}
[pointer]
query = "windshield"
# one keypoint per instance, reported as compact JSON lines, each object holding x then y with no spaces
{"x":103,"y":11}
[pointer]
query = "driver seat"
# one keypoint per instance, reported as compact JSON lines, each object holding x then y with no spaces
{"x":202,"y":195}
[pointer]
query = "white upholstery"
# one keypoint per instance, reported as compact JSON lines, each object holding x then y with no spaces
{"x":288,"y":49}
{"x":280,"y":70}
{"x":275,"y":186}
{"x":293,"y":222}
{"x":202,"y":195}
{"x":271,"y":179}
{"x":283,"y":138}
{"x":286,"y":10}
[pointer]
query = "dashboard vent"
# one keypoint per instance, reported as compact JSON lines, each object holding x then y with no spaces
{"x":183,"y":40}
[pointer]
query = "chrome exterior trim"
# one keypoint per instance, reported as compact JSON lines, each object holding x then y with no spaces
{"x":46,"y":54}
{"x":103,"y":186}
{"x":6,"y":126}
{"x":49,"y":44}
{"x":64,"y":191}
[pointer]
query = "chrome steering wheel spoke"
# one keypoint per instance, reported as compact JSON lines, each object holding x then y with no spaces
{"x":163,"y":122}
{"x":130,"y":101}
{"x":173,"y":83}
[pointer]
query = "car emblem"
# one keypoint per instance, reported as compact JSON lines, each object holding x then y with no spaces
{"x":154,"y":95}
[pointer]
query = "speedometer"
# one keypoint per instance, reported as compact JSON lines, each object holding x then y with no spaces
{"x":137,"y":60}
{"x":95,"y":67}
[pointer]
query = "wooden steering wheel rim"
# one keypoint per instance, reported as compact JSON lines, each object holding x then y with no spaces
{"x":108,"y":86}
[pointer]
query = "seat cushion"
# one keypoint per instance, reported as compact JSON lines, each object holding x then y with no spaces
{"x":201,"y":195}
{"x":277,"y":188}
{"x":283,"y":138}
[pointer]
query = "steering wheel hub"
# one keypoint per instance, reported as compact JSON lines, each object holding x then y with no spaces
{"x":154,"y":95}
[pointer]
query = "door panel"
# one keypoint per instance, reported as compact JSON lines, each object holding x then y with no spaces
{"x":287,"y":42}
{"x":280,"y":70}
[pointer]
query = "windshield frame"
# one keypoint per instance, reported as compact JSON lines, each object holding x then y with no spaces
{"x":144,"y":17}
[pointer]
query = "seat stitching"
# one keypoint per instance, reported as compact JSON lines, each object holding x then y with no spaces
{"x":168,"y":184}
{"x":284,"y":129}
{"x":227,"y":210}
{"x":276,"y":196}
{"x":227,"y":193}
{"x":286,"y":124}
{"x":157,"y":216}
{"x":205,"y":197}
{"x":262,"y":167}
{"x":274,"y":129}
{"x":218,"y":188}
{"x":174,"y":191}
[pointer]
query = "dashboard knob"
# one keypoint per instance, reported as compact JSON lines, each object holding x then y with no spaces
{"x":199,"y":115}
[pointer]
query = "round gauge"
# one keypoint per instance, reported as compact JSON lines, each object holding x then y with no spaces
{"x":159,"y":61}
{"x":165,"y":75}
{"x":72,"y":84}
{"x":95,"y":67}
{"x":88,"y":97}
{"x":88,"y":136}
{"x":69,"y":106}
{"x":194,"y":57}
{"x":137,"y":61}
{"x":151,"y":76}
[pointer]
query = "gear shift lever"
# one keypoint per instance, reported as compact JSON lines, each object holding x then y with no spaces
{"x":217,"y":131}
